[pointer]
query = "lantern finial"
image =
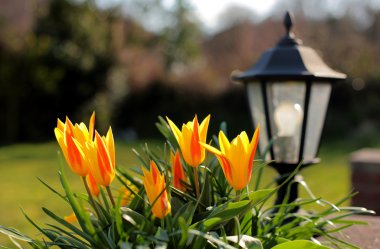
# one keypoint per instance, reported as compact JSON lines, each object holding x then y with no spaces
{"x":288,"y":22}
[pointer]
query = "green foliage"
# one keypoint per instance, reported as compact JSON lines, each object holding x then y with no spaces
{"x":226,"y":219}
{"x":62,"y":65}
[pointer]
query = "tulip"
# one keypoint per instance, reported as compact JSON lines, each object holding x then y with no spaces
{"x":81,"y":134}
{"x":92,"y":185}
{"x":178,"y":172}
{"x":236,"y":158}
{"x":71,"y":148}
{"x":126,"y":194}
{"x":70,"y":218}
{"x":154,"y":184}
{"x":188,"y":140}
{"x":101,"y":156}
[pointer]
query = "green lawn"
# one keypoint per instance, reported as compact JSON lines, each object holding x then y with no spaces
{"x":20,"y":165}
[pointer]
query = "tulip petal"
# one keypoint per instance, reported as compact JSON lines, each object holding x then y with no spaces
{"x":253,"y":147}
{"x":195,"y":148}
{"x":111,"y":146}
{"x":177,"y":133}
{"x":227,"y":170}
{"x":211,"y":149}
{"x":91,"y":126}
{"x":223,"y":142}
{"x":61,"y":142}
{"x":60,"y":125}
{"x":203,"y":127}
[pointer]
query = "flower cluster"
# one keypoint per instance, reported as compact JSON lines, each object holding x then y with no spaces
{"x":88,"y":154}
{"x":235,"y":157}
{"x":199,"y":198}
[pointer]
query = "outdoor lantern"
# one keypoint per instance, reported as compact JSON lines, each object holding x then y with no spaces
{"x":288,"y":92}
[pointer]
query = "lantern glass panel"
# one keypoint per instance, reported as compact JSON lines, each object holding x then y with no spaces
{"x":286,"y":112}
{"x":319,"y":99}
{"x":256,"y":104}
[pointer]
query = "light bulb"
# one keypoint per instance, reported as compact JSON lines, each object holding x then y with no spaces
{"x":288,"y":117}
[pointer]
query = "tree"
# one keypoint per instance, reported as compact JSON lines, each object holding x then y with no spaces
{"x":64,"y":63}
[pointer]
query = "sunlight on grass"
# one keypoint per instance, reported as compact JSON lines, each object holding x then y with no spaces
{"x":21,"y":165}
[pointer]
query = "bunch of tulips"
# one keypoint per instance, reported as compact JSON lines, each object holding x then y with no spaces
{"x":88,"y":154}
{"x":92,"y":157}
{"x":202,"y":197}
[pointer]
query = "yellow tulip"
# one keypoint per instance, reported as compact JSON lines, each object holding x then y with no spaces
{"x":92,"y":185}
{"x":126,"y":195}
{"x":101,"y":157}
{"x":154,"y":184}
{"x":82,"y":134}
{"x":72,"y":140}
{"x":236,"y":158}
{"x":178,"y":172}
{"x":71,"y":148}
{"x":189,"y":139}
{"x":71,"y":218}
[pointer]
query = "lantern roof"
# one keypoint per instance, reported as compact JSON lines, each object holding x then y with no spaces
{"x":289,"y":60}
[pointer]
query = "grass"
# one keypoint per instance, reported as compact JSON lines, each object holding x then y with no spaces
{"x":20,"y":165}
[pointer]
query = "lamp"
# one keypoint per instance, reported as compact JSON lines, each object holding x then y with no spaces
{"x":288,"y":92}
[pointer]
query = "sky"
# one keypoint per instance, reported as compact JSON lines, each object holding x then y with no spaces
{"x":209,"y":11}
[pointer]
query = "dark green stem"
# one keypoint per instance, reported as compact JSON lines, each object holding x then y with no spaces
{"x":92,"y":202}
{"x":238,"y":194}
{"x":196,"y":180}
{"x":110,"y":196}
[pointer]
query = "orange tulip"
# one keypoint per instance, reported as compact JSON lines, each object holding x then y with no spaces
{"x":236,"y":158}
{"x":92,"y":185}
{"x":81,"y":134}
{"x":188,"y":140}
{"x":67,"y":136}
{"x":154,"y":184}
{"x":70,"y":218}
{"x":178,"y":172}
{"x":126,"y":194}
{"x":101,"y":156}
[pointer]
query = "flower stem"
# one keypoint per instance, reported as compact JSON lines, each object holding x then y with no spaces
{"x":110,"y":196}
{"x":238,"y":194}
{"x":196,"y":180}
{"x":92,"y":202}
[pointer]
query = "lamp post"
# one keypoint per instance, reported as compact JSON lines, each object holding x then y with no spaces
{"x":288,"y":93}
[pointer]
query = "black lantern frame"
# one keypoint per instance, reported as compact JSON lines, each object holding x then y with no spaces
{"x":286,"y":87}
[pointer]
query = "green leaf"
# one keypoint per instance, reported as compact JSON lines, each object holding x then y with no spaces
{"x":14,"y":234}
{"x":162,"y":235}
{"x":68,"y":225}
{"x":260,"y":195}
{"x":136,"y":218}
{"x":246,"y":241}
{"x":184,"y":232}
{"x":82,"y":216}
{"x":299,"y":244}
{"x":209,"y":238}
{"x":223,"y":214}
{"x":52,"y":189}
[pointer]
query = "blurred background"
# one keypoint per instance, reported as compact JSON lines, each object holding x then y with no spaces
{"x":133,"y":60}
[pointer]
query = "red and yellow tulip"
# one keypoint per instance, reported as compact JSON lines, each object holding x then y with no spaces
{"x":126,"y":194}
{"x":236,"y":158}
{"x":92,"y":185}
{"x":189,"y":139}
{"x":72,"y":141}
{"x":101,"y":156}
{"x":179,"y":176}
{"x":154,"y":184}
{"x":70,"y":218}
